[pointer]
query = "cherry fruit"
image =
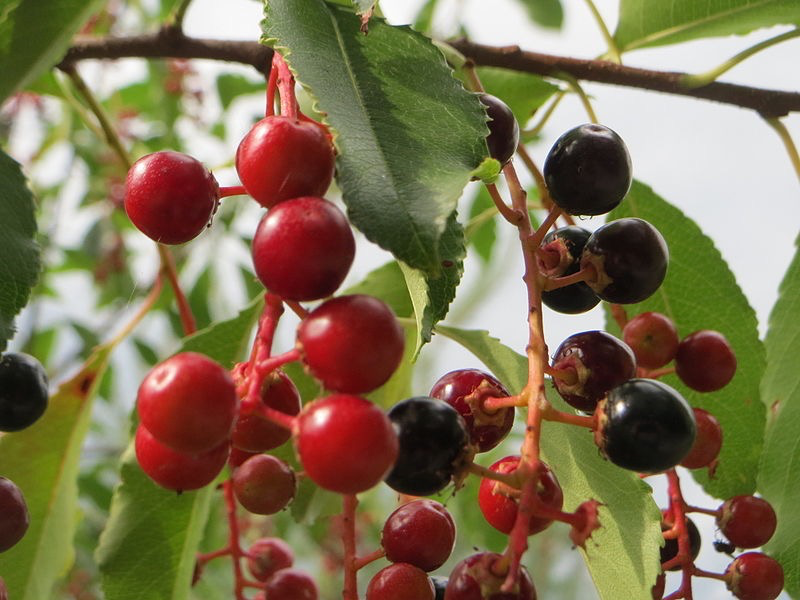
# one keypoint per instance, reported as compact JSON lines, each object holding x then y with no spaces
{"x":559,"y":256}
{"x":755,"y":576}
{"x":421,"y":533}
{"x":254,"y":432}
{"x":290,"y":584}
{"x":264,"y":484}
{"x":705,"y":361}
{"x":266,"y":556}
{"x":747,"y":521}
{"x":707,"y":442}
{"x":23,"y":391}
{"x":170,"y":196}
{"x":282,"y":158}
{"x":503,"y":137}
{"x":478,"y":578}
{"x":303,"y":249}
{"x":653,"y":339}
{"x":14,"y":517}
{"x":400,"y":581}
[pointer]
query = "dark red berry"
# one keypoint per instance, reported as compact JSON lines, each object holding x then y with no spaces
{"x":559,"y":256}
{"x":303,"y":249}
{"x":747,"y":521}
{"x":645,"y":426}
{"x":653,"y":339}
{"x":238,"y":456}
{"x":499,"y":503}
{"x":176,"y":470}
{"x":23,"y":391}
{"x":479,"y":577}
{"x":188,"y":402}
{"x":264,"y":484}
{"x":421,"y":533}
{"x":291,"y":584}
{"x":346,"y":443}
{"x":282,"y":158}
{"x":629,"y":258}
{"x":466,"y":390}
{"x":14,"y":518}
{"x":705,"y":361}
{"x":755,"y":576}
{"x":503,"y":137}
{"x":588,"y":170}
{"x":255,"y":433}
{"x":588,"y":365}
{"x":352,"y":343}
{"x":434,"y":445}
{"x":267,"y":556}
{"x":170,"y":196}
{"x":400,"y":581}
{"x":707,"y":443}
{"x":670,"y":548}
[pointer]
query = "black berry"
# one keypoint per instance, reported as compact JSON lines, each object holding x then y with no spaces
{"x":23,"y":391}
{"x":670,"y":548}
{"x":503,"y":135}
{"x":560,"y":255}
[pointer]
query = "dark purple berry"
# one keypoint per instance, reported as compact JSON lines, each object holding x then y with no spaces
{"x":503,"y":135}
{"x":670,"y":548}
{"x":23,"y":391}
{"x":559,"y":256}
{"x":14,"y":518}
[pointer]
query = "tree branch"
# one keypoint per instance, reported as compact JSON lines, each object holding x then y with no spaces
{"x":769,"y":103}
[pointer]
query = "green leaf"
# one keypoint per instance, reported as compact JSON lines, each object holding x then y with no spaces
{"x":148,"y":547}
{"x":777,"y":477}
{"x":34,"y":36}
{"x":388,"y":284}
{"x":622,"y":555}
{"x":481,"y":231}
{"x":43,"y":460}
{"x":408,"y":133}
{"x":547,"y":13}
{"x":19,"y":253}
{"x":231,"y":86}
{"x":424,"y":19}
{"x":524,"y":93}
{"x":700,"y":292}
{"x":645,"y":23}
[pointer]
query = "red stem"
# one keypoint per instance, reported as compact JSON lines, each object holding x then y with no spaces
{"x":184,"y":310}
{"x":286,"y":87}
{"x":493,"y":404}
{"x":363,"y":561}
{"x":509,"y":214}
{"x":677,"y":511}
{"x":271,"y":85}
{"x":233,"y":539}
{"x":350,"y":589}
{"x":233,"y":190}
{"x":552,"y":414}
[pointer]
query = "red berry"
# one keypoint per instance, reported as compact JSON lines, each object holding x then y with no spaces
{"x":478,"y":577}
{"x":400,"y":581}
{"x":238,"y":456}
{"x":267,"y":556}
{"x":170,"y":196}
{"x":291,"y":584}
{"x":175,"y":470}
{"x":14,"y":518}
{"x":747,"y":521}
{"x":188,"y":402}
{"x":264,"y":484}
{"x":707,"y":443}
{"x":499,"y":503}
{"x":755,"y":576}
{"x":255,"y":433}
{"x":352,"y":343}
{"x":653,"y":339}
{"x":282,"y":158}
{"x":421,"y":533}
{"x":346,"y":443}
{"x":705,"y":361}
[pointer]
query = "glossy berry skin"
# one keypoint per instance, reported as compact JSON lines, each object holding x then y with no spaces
{"x":291,"y":584}
{"x":475,"y":579}
{"x":705,"y":361}
{"x":421,"y":533}
{"x":170,"y":196}
{"x":352,"y":343}
{"x":346,"y":443}
{"x":630,"y":259}
{"x":747,"y":521}
{"x":188,"y":402}
{"x":282,"y":158}
{"x":23,"y":391}
{"x":14,"y":517}
{"x":503,"y":137}
{"x":653,"y":339}
{"x":500,"y":507}
{"x":400,"y":581}
{"x":645,"y":426}
{"x":176,"y":470}
{"x":755,"y":576}
{"x":433,"y":445}
{"x":560,"y":255}
{"x":253,"y":432}
{"x":670,"y":548}
{"x":588,"y":170}
{"x":707,"y":443}
{"x":303,"y":249}
{"x":266,"y":556}
{"x":597,"y":362}
{"x":465,"y":390}
{"x":264,"y":484}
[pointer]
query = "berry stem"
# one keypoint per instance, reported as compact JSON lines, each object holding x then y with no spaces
{"x":656,"y":373}
{"x":619,"y":314}
{"x":541,"y":186}
{"x":536,"y":239}
{"x":147,"y":304}
{"x":509,"y":214}
{"x":510,"y":479}
{"x":363,"y":561}
{"x":555,"y":283}
{"x":350,"y":589}
{"x":286,"y":87}
{"x":233,"y":190}
{"x":184,"y":310}
{"x":549,"y":413}
{"x":233,"y":539}
{"x":272,"y":83}
{"x":493,"y":404}
{"x":677,"y":511}
{"x":713,"y":512}
{"x":298,"y":309}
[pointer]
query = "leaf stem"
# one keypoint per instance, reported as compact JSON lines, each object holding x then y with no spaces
{"x":147,"y":304}
{"x":576,"y":87}
{"x":787,"y":140}
{"x":613,"y":49}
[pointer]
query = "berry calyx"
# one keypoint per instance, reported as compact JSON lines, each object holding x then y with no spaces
{"x":352,"y":343}
{"x":559,"y":256}
{"x":645,"y":426}
{"x":705,"y":361}
{"x":170,"y":196}
{"x":670,"y":548}
{"x":400,"y":581}
{"x":346,"y":443}
{"x":466,"y":390}
{"x":266,"y":556}
{"x":282,"y":158}
{"x":755,"y":576}
{"x":479,"y":577}
{"x":23,"y":391}
{"x":188,"y":402}
{"x":291,"y":584}
{"x":588,"y":170}
{"x":303,"y":249}
{"x":707,"y":442}
{"x":14,"y":518}
{"x":253,"y":432}
{"x":264,"y":484}
{"x":747,"y":521}
{"x":421,"y":533}
{"x":653,"y":338}
{"x":503,"y":137}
